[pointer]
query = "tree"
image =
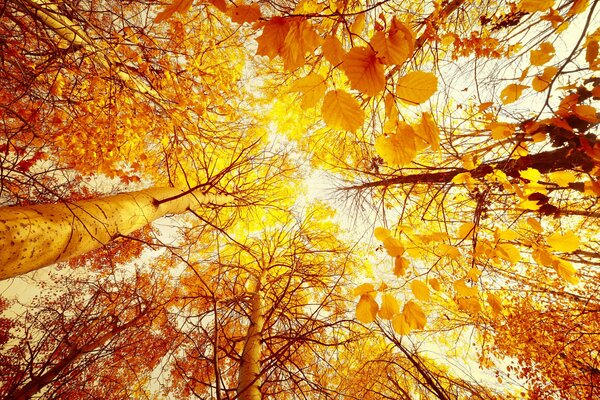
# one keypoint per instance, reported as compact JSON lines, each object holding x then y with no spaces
{"x":74,"y":344}
{"x":467,"y":131}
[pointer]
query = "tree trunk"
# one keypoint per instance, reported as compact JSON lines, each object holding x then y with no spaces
{"x":249,"y":373}
{"x":564,"y":158}
{"x":37,"y":236}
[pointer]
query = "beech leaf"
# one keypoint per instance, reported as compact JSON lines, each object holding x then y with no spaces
{"x":341,"y":111}
{"x":416,"y":87}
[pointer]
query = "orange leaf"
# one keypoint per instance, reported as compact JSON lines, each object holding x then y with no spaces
{"x":428,"y":131}
{"x":535,"y":5}
{"x":219,"y":4}
{"x":400,"y":324}
{"x":541,"y":82}
{"x":366,"y":309}
{"x":300,"y":39}
{"x":542,"y":54}
{"x":245,"y":13}
{"x":272,"y":39}
{"x":341,"y":111}
{"x":179,"y":6}
{"x":511,"y":93}
{"x":389,"y":307}
{"x":435,"y":284}
{"x":365,"y":288}
{"x":400,"y":266}
{"x":586,"y":113}
{"x":393,"y":246}
{"x":415,"y":317}
{"x":496,"y":304}
{"x":416,"y":87}
{"x":364,"y":70}
{"x":396,"y":46}
{"x":333,"y":50}
{"x":420,"y":290}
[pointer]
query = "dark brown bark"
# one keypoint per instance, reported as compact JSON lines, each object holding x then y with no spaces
{"x":564,"y":158}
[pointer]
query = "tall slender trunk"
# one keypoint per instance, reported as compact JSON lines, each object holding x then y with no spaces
{"x":37,"y":236}
{"x":249,"y":373}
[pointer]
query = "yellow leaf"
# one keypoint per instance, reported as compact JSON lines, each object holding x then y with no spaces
{"x":415,"y":317}
{"x":428,"y":131}
{"x":508,"y":252}
{"x":400,"y":324}
{"x":341,"y":111}
{"x":393,"y":246}
{"x":542,"y":54}
{"x":400,"y":266}
{"x":245,"y":13}
{"x":416,"y":87}
{"x":535,"y":225}
{"x":562,"y":178}
{"x":586,"y":113}
{"x":300,"y":39}
{"x":389,"y":307}
{"x":420,"y":290}
{"x":531,"y":174}
{"x":535,"y":5}
{"x":529,"y":205}
{"x":312,"y":87}
{"x":565,"y":270}
{"x":365,"y":288}
{"x":507,"y":234}
{"x":446,"y":250}
{"x":366,"y":309}
{"x":333,"y":50}
{"x":474,"y":274}
{"x":496,"y":304}
{"x":364,"y":70}
{"x":500,"y":130}
{"x":381,"y":233}
{"x":435,"y":284}
{"x":466,"y":230}
{"x":463,"y":290}
{"x":179,"y":6}
{"x":306,"y":7}
{"x":511,"y":93}
{"x":566,"y":243}
{"x":397,"y":148}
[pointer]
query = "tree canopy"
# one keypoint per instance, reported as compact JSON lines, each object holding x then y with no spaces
{"x":300,"y":199}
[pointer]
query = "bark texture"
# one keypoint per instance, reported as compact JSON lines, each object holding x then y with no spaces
{"x":249,"y":373}
{"x":37,"y":236}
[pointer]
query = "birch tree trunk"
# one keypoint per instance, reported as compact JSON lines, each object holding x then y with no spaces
{"x":249,"y":373}
{"x":37,"y":236}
